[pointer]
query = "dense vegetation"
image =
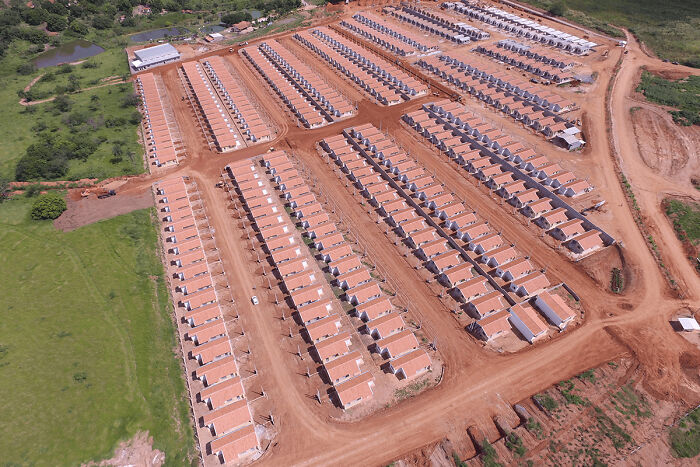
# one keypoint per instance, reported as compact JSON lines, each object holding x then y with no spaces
{"x":86,"y":346}
{"x":685,"y":439}
{"x":670,"y":28}
{"x":48,"y":206}
{"x":684,"y":95}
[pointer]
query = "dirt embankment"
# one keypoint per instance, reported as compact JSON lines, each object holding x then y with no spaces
{"x":670,"y":149}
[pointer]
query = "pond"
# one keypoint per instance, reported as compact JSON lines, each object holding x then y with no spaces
{"x":67,"y":53}
{"x":212,"y":28}
{"x":158,"y":34}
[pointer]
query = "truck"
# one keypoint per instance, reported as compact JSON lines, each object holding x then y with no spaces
{"x":101,"y":193}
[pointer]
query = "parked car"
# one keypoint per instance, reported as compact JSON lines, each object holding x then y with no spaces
{"x":254,"y":299}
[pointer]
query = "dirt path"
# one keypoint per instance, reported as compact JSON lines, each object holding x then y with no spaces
{"x":476,"y":384}
{"x":25,"y":103}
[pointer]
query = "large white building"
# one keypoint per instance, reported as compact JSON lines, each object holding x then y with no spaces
{"x":152,"y":56}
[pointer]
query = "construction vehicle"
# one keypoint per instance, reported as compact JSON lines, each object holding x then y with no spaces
{"x":101,"y":193}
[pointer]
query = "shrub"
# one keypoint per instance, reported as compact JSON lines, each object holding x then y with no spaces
{"x":26,"y":68}
{"x":48,"y":206}
{"x":56,"y":23}
{"x":557,"y":9}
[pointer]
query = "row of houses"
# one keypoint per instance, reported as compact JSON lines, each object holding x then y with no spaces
{"x":388,"y":84}
{"x":524,"y":318}
{"x":393,"y":340}
{"x":216,"y":118}
{"x":304,"y":108}
{"x":438,"y":24}
{"x":522,"y":27}
{"x":536,"y":53}
{"x":390,"y":36}
{"x":549,"y":72}
{"x":226,"y":413}
{"x":527,"y":181}
{"x":331,"y":343}
{"x":247,"y":118}
{"x":159,"y":140}
{"x":313,"y":84}
{"x":521,"y":102}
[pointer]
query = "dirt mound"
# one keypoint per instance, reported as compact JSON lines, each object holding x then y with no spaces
{"x":666,"y":147}
{"x":138,"y":451}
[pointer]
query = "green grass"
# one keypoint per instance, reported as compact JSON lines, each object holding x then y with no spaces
{"x":670,"y":28}
{"x":87,"y":342}
{"x":684,"y":95}
{"x":685,"y":218}
{"x":18,"y":127}
{"x":685,"y":439}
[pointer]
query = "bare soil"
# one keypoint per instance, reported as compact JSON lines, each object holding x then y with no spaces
{"x":137,"y":452}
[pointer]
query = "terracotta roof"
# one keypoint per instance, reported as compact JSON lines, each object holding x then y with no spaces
{"x":495,"y":323}
{"x":214,"y":371}
{"x":358,"y":387}
{"x":333,"y":347}
{"x":228,"y":417}
{"x":220,"y":393}
{"x":347,"y":366}
{"x":375,"y":308}
{"x":399,"y":343}
{"x":411,"y":363}
{"x":232,"y":445}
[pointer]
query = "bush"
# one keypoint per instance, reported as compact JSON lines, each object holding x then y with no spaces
{"x":56,"y":23}
{"x":235,"y":17}
{"x":48,"y":206}
{"x":78,"y":27}
{"x":26,"y":68}
{"x":102,"y":22}
{"x":557,"y":9}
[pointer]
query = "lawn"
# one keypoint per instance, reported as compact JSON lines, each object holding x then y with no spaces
{"x":20,"y":127}
{"x":685,"y":439}
{"x":685,"y":218}
{"x":683,"y":94}
{"x":87,"y":343}
{"x":670,"y":28}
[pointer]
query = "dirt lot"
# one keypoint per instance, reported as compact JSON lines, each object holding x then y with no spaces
{"x":476,"y":382}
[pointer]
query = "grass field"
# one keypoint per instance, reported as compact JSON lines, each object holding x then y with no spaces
{"x":18,"y":126}
{"x":685,"y":439}
{"x":87,"y":343}
{"x":670,"y":28}
{"x":684,"y":95}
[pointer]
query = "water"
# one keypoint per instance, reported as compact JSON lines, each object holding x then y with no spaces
{"x":212,"y":28}
{"x":66,"y":53}
{"x":158,"y":34}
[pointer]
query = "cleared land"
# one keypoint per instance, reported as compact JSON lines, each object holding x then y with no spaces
{"x":683,"y":95}
{"x":87,"y":346}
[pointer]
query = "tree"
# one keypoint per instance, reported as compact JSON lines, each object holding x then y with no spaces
{"x":558,"y":8}
{"x":235,"y":17}
{"x":56,"y":23}
{"x":26,"y":68}
{"x":35,"y":16}
{"x":102,"y":22}
{"x":62,"y":103}
{"x":78,"y":27}
{"x":48,"y":206}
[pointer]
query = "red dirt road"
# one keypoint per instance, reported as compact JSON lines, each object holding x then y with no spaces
{"x":476,"y":384}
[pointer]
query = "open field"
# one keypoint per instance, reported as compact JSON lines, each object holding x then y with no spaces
{"x":671,"y":29}
{"x":89,"y":340}
{"x":442,"y":218}
{"x":683,"y":95}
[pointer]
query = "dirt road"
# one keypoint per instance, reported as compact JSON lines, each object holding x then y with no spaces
{"x":477,"y":383}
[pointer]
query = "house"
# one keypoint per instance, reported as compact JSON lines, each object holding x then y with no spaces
{"x":241,"y":26}
{"x":410,"y":365}
{"x":343,"y":368}
{"x":292,"y":267}
{"x":491,"y":326}
{"x":524,"y":318}
{"x":473,"y":231}
{"x":323,"y":328}
{"x":212,"y":350}
{"x":529,"y":284}
{"x":397,"y":344}
{"x":285,"y":254}
{"x":385,"y":326}
{"x":306,"y":295}
{"x":297,"y":281}
{"x":486,"y":304}
{"x":333,"y":347}
{"x":344,"y":265}
{"x":456,"y":275}
{"x":328,"y":241}
{"x":430,"y":249}
{"x":471,"y":288}
{"x":355,"y":390}
{"x":373,"y":309}
{"x":207,"y":331}
{"x":228,"y":418}
{"x":225,"y":392}
{"x":216,"y":371}
{"x":444,"y":261}
{"x":321,"y":230}
{"x":555,"y":309}
{"x":278,"y":243}
{"x":586,"y":242}
{"x":409,"y":227}
{"x":574,"y":188}
{"x":514,"y":269}
{"x":552,"y":218}
{"x":567,"y":230}
{"x":353,"y":278}
{"x":314,"y":311}
{"x":500,"y":255}
{"x":202,"y":314}
{"x":537,"y":208}
{"x":232,"y":446}
{"x":421,"y":237}
{"x":363,"y":293}
{"x":486,"y":243}
{"x":337,"y":252}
